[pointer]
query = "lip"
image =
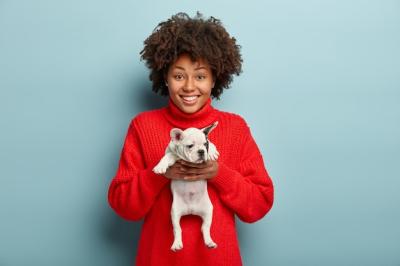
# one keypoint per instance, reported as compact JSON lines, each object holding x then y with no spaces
{"x":186,"y":102}
{"x":189,"y":95}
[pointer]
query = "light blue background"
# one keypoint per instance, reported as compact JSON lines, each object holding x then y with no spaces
{"x":320,"y":90}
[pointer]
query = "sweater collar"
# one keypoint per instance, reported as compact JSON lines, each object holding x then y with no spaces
{"x":205,"y":116}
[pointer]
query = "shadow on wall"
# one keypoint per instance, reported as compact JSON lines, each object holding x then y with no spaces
{"x":143,"y":98}
{"x":121,"y":234}
{"x":151,"y":100}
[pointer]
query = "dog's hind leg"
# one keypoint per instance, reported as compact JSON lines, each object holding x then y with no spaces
{"x":176,"y":217}
{"x":206,"y":226}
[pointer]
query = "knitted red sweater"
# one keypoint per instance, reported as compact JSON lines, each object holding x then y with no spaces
{"x":242,"y":186}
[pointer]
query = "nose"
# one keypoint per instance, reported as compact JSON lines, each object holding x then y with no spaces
{"x":201,"y":153}
{"x":189,"y":86}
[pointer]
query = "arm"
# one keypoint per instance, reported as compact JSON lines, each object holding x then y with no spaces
{"x":248,"y":192}
{"x":134,"y":188}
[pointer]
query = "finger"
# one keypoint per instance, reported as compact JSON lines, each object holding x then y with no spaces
{"x":184,"y":169}
{"x":184,"y":163}
{"x":208,"y":167}
{"x":194,"y":165}
{"x":178,"y":176}
{"x":178,"y":168}
{"x":193,"y":171}
{"x":177,"y":171}
{"x":178,"y":163}
{"x":192,"y":177}
{"x":196,"y":169}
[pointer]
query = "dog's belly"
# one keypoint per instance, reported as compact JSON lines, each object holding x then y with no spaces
{"x":190,"y":197}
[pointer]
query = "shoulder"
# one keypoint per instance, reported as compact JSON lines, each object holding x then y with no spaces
{"x":147,"y":118}
{"x":232,"y":120}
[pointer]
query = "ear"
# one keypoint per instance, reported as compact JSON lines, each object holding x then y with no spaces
{"x":176,"y":134}
{"x":208,"y":129}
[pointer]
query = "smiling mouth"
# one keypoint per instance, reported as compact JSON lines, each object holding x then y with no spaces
{"x":189,"y":99}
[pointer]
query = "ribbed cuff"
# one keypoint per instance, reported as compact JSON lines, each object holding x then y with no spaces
{"x":225,"y":179}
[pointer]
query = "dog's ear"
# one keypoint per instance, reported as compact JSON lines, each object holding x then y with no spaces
{"x":176,"y":134}
{"x":209,"y":128}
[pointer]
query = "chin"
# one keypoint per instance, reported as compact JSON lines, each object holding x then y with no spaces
{"x":189,"y":110}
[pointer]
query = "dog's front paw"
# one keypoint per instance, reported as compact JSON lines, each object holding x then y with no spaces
{"x":213,"y":156}
{"x":213,"y":153}
{"x":211,"y":244}
{"x":177,"y":245}
{"x":160,"y":168}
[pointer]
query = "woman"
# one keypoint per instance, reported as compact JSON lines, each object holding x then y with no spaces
{"x":191,"y":61}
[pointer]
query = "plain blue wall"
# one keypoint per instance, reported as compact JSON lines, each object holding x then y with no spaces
{"x":320,"y":90}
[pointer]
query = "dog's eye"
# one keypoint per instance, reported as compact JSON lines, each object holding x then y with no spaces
{"x":190,"y":146}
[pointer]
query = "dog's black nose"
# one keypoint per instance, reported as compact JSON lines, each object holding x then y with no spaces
{"x":201,"y":152}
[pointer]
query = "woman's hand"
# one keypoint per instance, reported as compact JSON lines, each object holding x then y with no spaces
{"x":183,"y":170}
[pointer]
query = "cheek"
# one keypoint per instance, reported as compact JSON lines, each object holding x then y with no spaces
{"x":206,"y":90}
{"x":187,"y":154}
{"x":206,"y":87}
{"x":173,"y":87}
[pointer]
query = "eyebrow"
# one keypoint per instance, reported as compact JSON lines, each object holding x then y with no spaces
{"x":197,"y":68}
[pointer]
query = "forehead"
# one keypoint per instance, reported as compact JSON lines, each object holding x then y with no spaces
{"x":194,"y":135}
{"x":184,"y":62}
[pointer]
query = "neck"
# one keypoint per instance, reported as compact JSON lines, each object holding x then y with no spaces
{"x":205,"y":116}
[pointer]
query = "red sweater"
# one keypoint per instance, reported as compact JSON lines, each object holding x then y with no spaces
{"x":242,"y":186}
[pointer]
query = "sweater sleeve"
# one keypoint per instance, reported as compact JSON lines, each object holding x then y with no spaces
{"x":134,"y":188}
{"x":249,"y":191}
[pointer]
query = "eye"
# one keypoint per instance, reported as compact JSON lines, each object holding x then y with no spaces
{"x":201,"y":77}
{"x":178,"y":76}
{"x":190,"y":146}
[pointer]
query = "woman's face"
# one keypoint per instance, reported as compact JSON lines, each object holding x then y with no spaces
{"x":189,"y":83}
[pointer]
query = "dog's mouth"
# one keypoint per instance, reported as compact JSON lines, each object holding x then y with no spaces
{"x":200,"y":160}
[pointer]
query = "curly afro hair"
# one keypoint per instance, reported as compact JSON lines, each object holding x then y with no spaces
{"x":200,"y":38}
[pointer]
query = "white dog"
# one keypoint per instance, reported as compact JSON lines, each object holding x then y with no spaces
{"x":189,"y":197}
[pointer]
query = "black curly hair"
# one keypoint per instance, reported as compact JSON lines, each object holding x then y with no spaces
{"x":200,"y":38}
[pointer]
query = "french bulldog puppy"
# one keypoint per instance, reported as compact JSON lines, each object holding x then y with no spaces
{"x":189,"y":197}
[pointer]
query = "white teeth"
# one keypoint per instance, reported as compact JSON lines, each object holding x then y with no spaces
{"x":192,"y":98}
